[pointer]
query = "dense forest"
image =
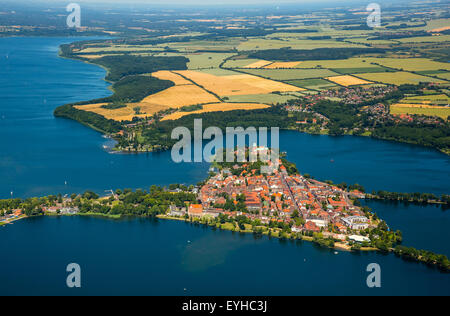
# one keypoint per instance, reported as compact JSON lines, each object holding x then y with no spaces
{"x":133,"y":89}
{"x":126,"y":65}
{"x":432,"y":136}
{"x":90,"y":119}
{"x":287,"y":54}
{"x":416,"y":197}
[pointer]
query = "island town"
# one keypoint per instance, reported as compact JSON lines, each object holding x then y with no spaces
{"x":241,"y":198}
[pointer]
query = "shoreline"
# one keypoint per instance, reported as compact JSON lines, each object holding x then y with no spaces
{"x":443,"y":151}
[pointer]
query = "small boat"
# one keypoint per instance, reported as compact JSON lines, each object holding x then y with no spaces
{"x":336,"y":252}
{"x":332,"y":160}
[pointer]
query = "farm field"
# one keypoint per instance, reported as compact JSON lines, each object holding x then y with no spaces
{"x":291,"y":74}
{"x":203,"y":45}
{"x":239,"y":63}
{"x":258,"y":64}
{"x":348,"y":81}
{"x":428,"y":110}
{"x":410,"y":64}
{"x":263,"y":43}
{"x":168,"y":75}
{"x":283,"y":65}
{"x":398,"y":78}
{"x":426,"y":39}
{"x":94,"y":56}
{"x":173,"y":97}
{"x":176,"y":97}
{"x":364,"y":40}
{"x":316,"y":84}
{"x":121,"y":114}
{"x":219,"y":72}
{"x":206,"y":60}
{"x":445,"y":75}
{"x":240,"y":84}
{"x":436,"y":24}
{"x":122,"y":48}
{"x":261,"y":98}
{"x":440,"y":99}
{"x":338,"y":63}
{"x":349,"y":71}
{"x":217,"y":107}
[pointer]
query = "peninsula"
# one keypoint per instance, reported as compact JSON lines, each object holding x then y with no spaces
{"x":239,"y":198}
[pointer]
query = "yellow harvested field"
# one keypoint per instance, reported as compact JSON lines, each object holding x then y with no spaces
{"x":442,"y":29}
{"x":217,"y":107}
{"x":92,"y":56}
{"x":176,"y":97}
{"x":258,"y":64}
{"x":122,"y":114}
{"x":237,"y":84}
{"x":168,"y":75}
{"x":347,"y":81}
{"x":283,"y":65}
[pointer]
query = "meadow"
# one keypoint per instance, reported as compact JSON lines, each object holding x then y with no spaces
{"x":315,"y":84}
{"x":398,"y":78}
{"x":291,"y":74}
{"x":434,"y":99}
{"x":410,"y":64}
{"x":428,"y":110}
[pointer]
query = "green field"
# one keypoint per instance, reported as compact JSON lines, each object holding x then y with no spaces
{"x":426,"y":39}
{"x":398,"y":78}
{"x":349,"y":71}
{"x":220,"y":72}
{"x":338,"y":63}
{"x":206,"y":60}
{"x":264,"y":43}
{"x":192,"y":46}
{"x":443,"y":112}
{"x":410,"y":64}
{"x":445,"y":75}
{"x":239,"y":63}
{"x":316,"y":84}
{"x":291,"y":74}
{"x":436,"y":99}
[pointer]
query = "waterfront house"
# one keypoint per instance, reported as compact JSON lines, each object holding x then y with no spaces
{"x":195,"y":210}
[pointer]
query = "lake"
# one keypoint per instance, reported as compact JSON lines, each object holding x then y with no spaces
{"x":144,"y":257}
{"x":45,"y":155}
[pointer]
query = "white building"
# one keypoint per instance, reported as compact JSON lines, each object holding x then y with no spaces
{"x":356,"y":222}
{"x":358,"y":238}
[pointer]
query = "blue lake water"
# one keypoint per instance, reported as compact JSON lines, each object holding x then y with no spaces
{"x":143,"y":257}
{"x":39,"y":153}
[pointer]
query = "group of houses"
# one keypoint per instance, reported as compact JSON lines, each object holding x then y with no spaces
{"x":278,"y":197}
